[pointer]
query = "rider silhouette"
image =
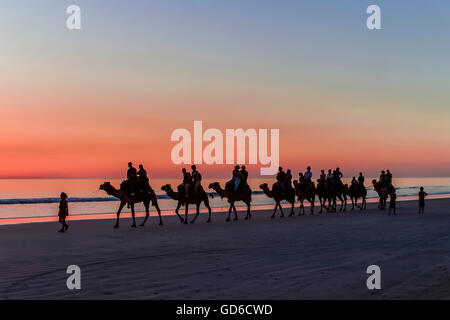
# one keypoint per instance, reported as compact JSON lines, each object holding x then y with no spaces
{"x":236,"y":178}
{"x":289,"y":178}
{"x":196,"y":178}
{"x":281,"y":178}
{"x":187,"y":179}
{"x":131,"y":172}
{"x":143,"y":179}
{"x":308,"y":178}
{"x":361,"y":179}
{"x":244,"y":176}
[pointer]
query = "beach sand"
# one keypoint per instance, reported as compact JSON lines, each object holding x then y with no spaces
{"x":310,"y":257}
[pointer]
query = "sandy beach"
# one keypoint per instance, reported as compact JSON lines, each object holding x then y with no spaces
{"x":310,"y":257}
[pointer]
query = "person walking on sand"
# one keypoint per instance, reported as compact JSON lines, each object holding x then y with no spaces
{"x":63,"y":212}
{"x":392,"y":203}
{"x":422,"y":195}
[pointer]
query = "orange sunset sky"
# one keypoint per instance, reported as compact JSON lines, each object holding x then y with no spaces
{"x":83,"y":103}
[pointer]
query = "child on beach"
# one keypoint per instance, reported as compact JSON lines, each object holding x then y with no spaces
{"x":63,"y":212}
{"x":422,"y":195}
{"x":392,"y":202}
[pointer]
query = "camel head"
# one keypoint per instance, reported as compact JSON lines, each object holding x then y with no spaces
{"x":166,"y":188}
{"x":264,"y":186}
{"x":214,"y":185}
{"x":105,"y":186}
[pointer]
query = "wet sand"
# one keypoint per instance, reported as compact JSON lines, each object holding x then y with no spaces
{"x":309,"y":257}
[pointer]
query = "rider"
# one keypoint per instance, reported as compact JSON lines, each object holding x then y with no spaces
{"x":131,"y":173}
{"x":361,"y":179}
{"x":236,"y":178}
{"x":308,"y":178}
{"x":187,"y":179}
{"x":330,"y":179}
{"x":132,"y":179}
{"x":143,"y":178}
{"x":244,"y":176}
{"x":388,"y":178}
{"x":323,"y":176}
{"x":289,"y":178}
{"x":337,"y":176}
{"x":196,"y":178}
{"x":383,"y":177}
{"x":281,"y":178}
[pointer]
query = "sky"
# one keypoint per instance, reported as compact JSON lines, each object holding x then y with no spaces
{"x":83,"y":103}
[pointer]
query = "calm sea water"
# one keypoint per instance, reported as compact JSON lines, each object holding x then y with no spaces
{"x":22,"y":198}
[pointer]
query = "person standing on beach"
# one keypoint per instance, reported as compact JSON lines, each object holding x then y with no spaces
{"x":422,"y":195}
{"x":392,"y":203}
{"x":63,"y":212}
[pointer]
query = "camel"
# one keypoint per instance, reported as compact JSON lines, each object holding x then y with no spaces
{"x":132,"y":200}
{"x":354,"y":193}
{"x":278,"y":196}
{"x":383,"y":191}
{"x":244,"y":196}
{"x":322,"y":194}
{"x":304,"y":194}
{"x":197,"y":199}
{"x":337,"y":192}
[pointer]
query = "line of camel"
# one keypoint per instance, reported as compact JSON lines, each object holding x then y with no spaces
{"x":324,"y":194}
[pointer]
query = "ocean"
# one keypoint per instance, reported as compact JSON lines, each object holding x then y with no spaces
{"x":31,"y":198}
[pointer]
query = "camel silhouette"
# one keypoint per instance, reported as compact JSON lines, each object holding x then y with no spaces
{"x":355,"y":192}
{"x":323,"y":195}
{"x":303,"y":193}
{"x":383,"y":192}
{"x":278,"y":196}
{"x":196,"y":199}
{"x":244,"y":196}
{"x":337,"y":192}
{"x":132,"y":200}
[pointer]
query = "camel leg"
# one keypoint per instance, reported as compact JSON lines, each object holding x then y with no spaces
{"x":229,"y":213}
{"x":122,"y":204}
{"x":281,"y":211}
{"x":187,"y":210}
{"x":132,"y":214}
{"x":147,"y":214}
{"x":249,"y":215}
{"x":342,"y":204}
{"x":275,"y":210}
{"x":206,"y":201}
{"x":196,"y":214}
{"x":159,"y":212}
{"x":311,"y":201}
{"x":235,"y":213}
{"x":301,"y":208}
{"x":292,"y":208}
{"x":176,"y":211}
{"x":321,"y":205}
